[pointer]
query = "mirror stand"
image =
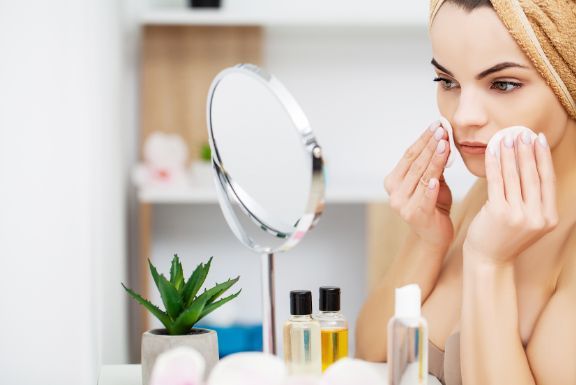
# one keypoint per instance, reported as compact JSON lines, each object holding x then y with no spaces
{"x":268,"y":304}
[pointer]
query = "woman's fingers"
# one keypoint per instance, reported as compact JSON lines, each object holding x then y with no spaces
{"x":524,"y":178}
{"x":425,"y":196}
{"x":429,"y":196}
{"x":512,"y":190}
{"x":419,"y":166}
{"x":547,"y":179}
{"x":530,"y":181}
{"x":410,"y":155}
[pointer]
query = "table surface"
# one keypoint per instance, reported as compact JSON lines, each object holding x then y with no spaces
{"x":132,"y":375}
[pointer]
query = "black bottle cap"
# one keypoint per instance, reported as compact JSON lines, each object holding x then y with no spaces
{"x":300,"y":302}
{"x":329,"y":298}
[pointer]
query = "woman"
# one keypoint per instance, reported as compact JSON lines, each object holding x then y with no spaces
{"x":499,"y":280}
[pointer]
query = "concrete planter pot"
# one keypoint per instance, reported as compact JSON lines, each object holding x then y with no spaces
{"x":157,"y":341}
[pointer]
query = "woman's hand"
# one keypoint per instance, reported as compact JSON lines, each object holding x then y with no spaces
{"x":417,"y":190}
{"x":521,"y":205}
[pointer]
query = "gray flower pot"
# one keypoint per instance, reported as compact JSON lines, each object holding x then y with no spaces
{"x":157,"y":341}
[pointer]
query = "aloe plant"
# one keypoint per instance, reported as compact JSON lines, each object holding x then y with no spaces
{"x":184,"y":304}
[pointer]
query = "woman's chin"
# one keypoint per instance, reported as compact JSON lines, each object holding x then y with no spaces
{"x":475,"y":165}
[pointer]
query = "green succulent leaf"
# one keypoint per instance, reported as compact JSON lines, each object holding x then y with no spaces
{"x":195,"y":283}
{"x":154,"y":273}
{"x":190,"y":285}
{"x":193,"y":313}
{"x":220,"y":289}
{"x":189,"y":317}
{"x":162,"y":317}
{"x":170,"y":297}
{"x":215,"y":305}
{"x":168,"y":292}
{"x":176,"y":273}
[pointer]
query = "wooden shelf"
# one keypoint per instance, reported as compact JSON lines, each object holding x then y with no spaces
{"x":285,"y":17}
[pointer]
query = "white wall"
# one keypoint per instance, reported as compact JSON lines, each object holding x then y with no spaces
{"x":61,"y":191}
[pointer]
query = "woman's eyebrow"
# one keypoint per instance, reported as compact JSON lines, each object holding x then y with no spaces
{"x":499,"y":67}
{"x":483,"y":74}
{"x":440,"y":67}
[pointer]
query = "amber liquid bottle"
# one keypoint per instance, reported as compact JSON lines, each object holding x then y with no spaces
{"x":333,"y":327}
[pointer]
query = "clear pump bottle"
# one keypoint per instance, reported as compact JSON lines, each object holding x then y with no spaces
{"x":407,"y":340}
{"x":302,"y":336}
{"x":333,"y":327}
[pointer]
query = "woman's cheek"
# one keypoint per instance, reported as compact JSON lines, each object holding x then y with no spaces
{"x":543,"y":112}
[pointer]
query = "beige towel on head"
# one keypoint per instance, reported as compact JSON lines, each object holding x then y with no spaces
{"x":546,"y":32}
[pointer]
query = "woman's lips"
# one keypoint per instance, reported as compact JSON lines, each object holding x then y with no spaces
{"x":473,"y":148}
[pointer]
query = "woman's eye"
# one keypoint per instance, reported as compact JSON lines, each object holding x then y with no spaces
{"x":505,"y":86}
{"x":447,"y":84}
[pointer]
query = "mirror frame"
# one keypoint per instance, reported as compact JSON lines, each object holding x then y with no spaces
{"x":230,"y":194}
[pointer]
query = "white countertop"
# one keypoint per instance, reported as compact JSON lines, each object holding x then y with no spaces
{"x":132,"y":375}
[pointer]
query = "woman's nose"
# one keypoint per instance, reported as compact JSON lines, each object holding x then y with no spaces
{"x":470,"y":111}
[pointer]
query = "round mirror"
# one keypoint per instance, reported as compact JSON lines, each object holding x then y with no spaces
{"x":268,"y":168}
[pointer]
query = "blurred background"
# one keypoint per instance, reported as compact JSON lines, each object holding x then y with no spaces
{"x":83,"y":85}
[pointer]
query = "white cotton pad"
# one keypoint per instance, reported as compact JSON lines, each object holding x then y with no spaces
{"x":348,"y":371}
{"x":249,"y":368}
{"x":494,"y":143}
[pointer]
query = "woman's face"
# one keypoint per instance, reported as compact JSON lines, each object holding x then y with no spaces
{"x":486,"y":83}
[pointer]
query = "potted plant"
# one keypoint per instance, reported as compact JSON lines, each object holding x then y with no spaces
{"x":185,"y":304}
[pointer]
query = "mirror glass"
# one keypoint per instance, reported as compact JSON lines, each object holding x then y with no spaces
{"x":268,"y":163}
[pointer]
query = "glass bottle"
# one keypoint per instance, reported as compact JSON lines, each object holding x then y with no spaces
{"x":302,"y":336}
{"x":333,"y":327}
{"x":407,"y":340}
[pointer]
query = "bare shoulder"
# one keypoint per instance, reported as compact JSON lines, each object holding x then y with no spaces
{"x":552,"y":345}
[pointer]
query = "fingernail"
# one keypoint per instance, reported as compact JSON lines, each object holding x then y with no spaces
{"x":441,"y":147}
{"x":492,"y":150}
{"x":508,"y":141}
{"x":432,"y":183}
{"x":526,"y":137}
{"x":542,"y":140}
{"x":439,"y":133}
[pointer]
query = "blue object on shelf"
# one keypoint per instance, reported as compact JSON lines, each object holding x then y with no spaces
{"x":237,"y":338}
